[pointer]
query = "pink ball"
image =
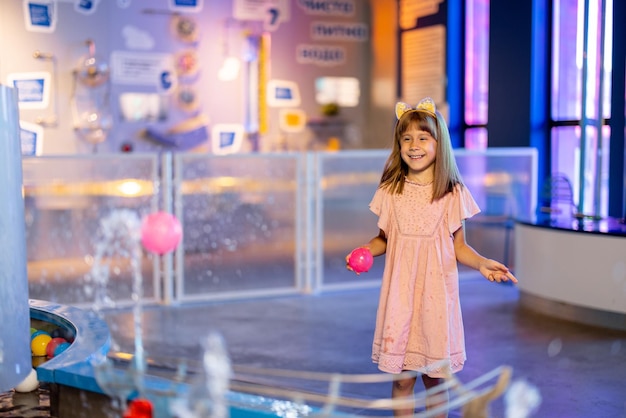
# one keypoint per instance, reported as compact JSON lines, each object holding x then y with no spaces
{"x":160,"y":232}
{"x":361,"y":260}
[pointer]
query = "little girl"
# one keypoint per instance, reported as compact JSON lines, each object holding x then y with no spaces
{"x":421,"y":204}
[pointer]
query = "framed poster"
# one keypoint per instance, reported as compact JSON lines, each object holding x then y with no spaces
{"x":226,"y":138}
{"x":31,"y":139}
{"x":292,"y":120}
{"x":282,"y":93}
{"x":40,"y":15}
{"x":33,"y":89}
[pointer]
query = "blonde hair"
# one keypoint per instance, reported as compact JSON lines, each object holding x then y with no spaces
{"x":447,"y":174}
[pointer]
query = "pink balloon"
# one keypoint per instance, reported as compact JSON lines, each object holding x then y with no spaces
{"x":160,"y":232}
{"x":361,"y":260}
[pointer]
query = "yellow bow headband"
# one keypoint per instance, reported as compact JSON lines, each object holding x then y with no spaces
{"x":426,"y":105}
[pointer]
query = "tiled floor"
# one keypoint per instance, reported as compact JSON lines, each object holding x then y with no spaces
{"x":579,"y":371}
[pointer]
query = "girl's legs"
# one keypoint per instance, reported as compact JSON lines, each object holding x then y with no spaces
{"x":431,"y":382}
{"x":403,"y":388}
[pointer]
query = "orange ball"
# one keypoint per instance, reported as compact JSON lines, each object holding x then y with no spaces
{"x":39,"y":343}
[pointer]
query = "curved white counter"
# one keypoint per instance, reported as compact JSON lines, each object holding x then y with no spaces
{"x":573,"y":270}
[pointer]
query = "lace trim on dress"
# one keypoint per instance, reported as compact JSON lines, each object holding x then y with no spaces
{"x":416,"y":183}
{"x":433,"y":368}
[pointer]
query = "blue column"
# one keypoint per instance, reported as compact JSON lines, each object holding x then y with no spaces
{"x":15,"y":355}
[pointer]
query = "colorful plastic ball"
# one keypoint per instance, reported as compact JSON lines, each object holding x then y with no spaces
{"x":61,"y":348}
{"x":29,"y":384}
{"x":39,"y":343}
{"x":361,"y":260}
{"x":53,"y":344}
{"x":56,"y":333}
{"x":139,"y":408}
{"x":33,"y":330}
{"x":160,"y":232}
{"x":38,"y":332}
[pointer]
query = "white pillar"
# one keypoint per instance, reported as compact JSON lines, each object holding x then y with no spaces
{"x":15,"y":355}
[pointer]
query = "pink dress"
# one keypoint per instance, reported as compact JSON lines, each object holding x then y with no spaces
{"x":419,"y":323}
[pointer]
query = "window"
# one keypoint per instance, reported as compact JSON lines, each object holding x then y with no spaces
{"x":580,"y":99}
{"x":476,"y":73}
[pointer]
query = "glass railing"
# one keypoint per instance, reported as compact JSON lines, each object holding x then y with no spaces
{"x":253,"y":224}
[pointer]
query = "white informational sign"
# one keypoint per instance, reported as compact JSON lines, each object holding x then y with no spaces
{"x":341,"y":8}
{"x":186,"y":5}
{"x":226,"y":138}
{"x":271,"y":12}
{"x":339,"y":31}
{"x":147,"y":69}
{"x":31,"y":138}
{"x":282,"y":93}
{"x":33,"y":89}
{"x":322,"y":55}
{"x":40,"y":15}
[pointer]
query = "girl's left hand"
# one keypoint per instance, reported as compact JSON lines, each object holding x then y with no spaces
{"x":496,"y":272}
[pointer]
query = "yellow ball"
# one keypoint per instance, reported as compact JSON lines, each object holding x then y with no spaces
{"x":39,"y":343}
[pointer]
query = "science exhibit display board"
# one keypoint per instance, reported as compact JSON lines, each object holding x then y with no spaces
{"x":253,"y":63}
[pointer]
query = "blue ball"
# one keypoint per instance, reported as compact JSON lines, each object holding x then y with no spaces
{"x":61,"y":348}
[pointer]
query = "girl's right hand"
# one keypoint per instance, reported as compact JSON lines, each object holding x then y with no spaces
{"x":348,"y":267}
{"x":360,"y":260}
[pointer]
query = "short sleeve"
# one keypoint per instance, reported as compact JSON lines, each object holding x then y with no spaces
{"x":462,"y":206}
{"x":380,"y":207}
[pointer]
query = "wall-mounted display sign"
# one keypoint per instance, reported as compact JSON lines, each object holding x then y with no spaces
{"x":424,"y":64}
{"x":292,"y":120}
{"x":140,"y":68}
{"x":327,"y":7}
{"x":31,"y":138}
{"x":271,"y":12}
{"x":143,"y":107}
{"x":343,"y":91}
{"x":339,"y":31}
{"x":321,"y":55}
{"x":86,"y":7}
{"x":186,"y":5}
{"x":282,"y":93}
{"x":40,"y":15}
{"x":226,"y":138}
{"x":33,"y":89}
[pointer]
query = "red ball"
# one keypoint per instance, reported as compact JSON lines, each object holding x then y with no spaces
{"x":361,"y":260}
{"x":53,"y":344}
{"x":160,"y":232}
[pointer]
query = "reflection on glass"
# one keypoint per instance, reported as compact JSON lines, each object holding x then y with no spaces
{"x":566,"y":157}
